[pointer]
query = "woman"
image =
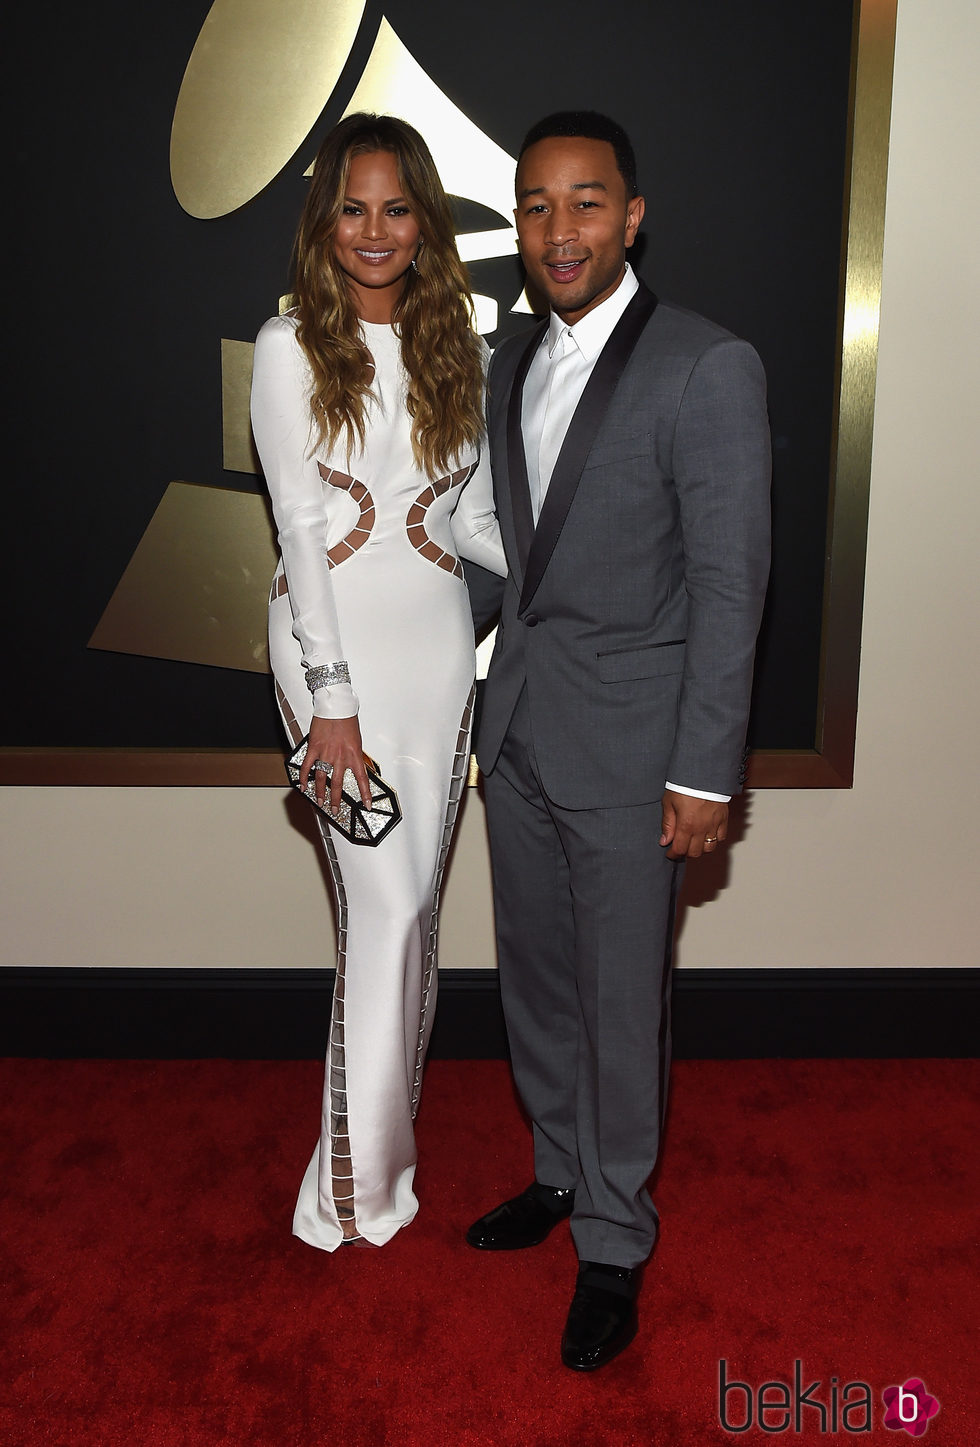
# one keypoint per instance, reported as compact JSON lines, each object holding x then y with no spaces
{"x":367,"y":414}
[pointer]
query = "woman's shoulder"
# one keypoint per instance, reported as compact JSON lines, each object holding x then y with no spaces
{"x":278,"y":333}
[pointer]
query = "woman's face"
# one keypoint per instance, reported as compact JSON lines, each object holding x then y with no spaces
{"x":377,"y":235}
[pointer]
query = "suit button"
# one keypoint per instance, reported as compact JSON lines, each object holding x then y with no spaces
{"x":531,"y":620}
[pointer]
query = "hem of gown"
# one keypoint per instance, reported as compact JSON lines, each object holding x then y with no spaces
{"x":366,"y":1235}
{"x":312,"y":1226}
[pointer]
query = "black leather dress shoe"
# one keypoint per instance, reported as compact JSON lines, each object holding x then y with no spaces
{"x":523,"y":1221}
{"x":602,"y":1317}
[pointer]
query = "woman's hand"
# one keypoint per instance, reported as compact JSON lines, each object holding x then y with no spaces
{"x":335,"y":741}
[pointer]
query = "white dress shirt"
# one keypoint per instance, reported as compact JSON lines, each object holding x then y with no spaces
{"x":556,"y":380}
{"x":553,"y":388}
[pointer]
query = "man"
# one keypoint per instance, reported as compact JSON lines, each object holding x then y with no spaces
{"x":630,"y":449}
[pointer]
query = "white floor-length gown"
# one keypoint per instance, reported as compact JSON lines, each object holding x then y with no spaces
{"x":370,"y":578}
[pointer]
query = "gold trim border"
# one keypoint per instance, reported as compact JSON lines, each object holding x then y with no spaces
{"x":831,"y":763}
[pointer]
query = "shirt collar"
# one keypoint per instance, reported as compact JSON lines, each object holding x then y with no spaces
{"x":594,"y":330}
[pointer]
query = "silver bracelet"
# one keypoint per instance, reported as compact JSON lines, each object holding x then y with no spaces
{"x":327,"y":675}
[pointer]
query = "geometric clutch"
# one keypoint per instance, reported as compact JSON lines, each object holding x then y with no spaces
{"x":357,"y":823}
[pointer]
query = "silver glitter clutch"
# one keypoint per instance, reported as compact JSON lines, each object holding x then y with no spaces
{"x":357,"y":822}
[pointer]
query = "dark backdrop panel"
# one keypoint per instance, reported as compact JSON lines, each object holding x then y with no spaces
{"x":119,"y":300}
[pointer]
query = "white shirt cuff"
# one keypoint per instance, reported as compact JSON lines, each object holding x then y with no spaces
{"x":699,"y":793}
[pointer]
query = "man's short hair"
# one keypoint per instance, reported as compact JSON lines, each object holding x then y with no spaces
{"x":592,"y":126}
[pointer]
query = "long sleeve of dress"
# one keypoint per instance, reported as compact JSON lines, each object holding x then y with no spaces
{"x":281,"y":426}
{"x":476,"y":531}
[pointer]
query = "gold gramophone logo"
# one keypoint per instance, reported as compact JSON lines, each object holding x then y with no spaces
{"x":257,"y":81}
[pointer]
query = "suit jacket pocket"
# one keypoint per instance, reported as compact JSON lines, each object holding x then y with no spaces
{"x":656,"y":660}
{"x":605,"y":453}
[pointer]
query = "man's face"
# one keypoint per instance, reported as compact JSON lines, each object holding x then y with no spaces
{"x":574,"y":222}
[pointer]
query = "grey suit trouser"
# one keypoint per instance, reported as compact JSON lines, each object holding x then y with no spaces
{"x":584,"y":902}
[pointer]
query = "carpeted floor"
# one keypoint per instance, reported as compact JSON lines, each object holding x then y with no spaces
{"x":821,"y":1212}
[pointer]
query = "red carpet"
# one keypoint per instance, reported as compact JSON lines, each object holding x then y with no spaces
{"x":816,"y":1211}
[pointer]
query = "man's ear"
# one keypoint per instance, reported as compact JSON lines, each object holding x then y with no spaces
{"x":634,"y":215}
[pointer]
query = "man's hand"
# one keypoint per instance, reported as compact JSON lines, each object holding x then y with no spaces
{"x":692,"y":827}
{"x":335,"y":741}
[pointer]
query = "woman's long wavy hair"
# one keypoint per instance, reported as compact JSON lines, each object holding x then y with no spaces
{"x":433,"y":317}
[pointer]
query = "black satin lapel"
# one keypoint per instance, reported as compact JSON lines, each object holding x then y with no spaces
{"x":580,"y":436}
{"x":520,"y":494}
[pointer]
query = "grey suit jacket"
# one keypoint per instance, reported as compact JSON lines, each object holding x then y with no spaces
{"x":631,"y":612}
